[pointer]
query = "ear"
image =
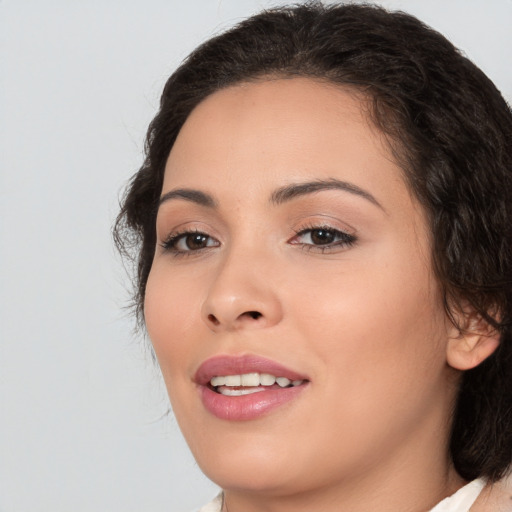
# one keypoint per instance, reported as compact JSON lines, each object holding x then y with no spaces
{"x":472,"y":344}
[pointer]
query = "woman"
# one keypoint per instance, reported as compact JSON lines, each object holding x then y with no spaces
{"x":323,"y":237}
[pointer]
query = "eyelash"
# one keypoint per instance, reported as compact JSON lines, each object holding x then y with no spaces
{"x":172,"y":241}
{"x":340,"y":239}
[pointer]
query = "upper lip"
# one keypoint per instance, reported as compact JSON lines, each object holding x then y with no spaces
{"x":238,"y":365}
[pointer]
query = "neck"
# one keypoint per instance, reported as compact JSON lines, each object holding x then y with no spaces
{"x":352,"y":498}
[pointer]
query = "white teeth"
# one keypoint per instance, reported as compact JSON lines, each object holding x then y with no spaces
{"x":251,"y":380}
{"x":267,"y":380}
{"x":283,"y":381}
{"x":233,"y":380}
{"x":218,"y":381}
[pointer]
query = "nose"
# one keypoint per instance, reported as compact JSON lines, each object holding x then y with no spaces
{"x":242,"y":295}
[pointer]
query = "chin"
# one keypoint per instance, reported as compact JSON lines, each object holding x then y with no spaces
{"x":251,"y":476}
{"x":253,"y":464}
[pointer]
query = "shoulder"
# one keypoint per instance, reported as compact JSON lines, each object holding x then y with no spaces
{"x":495,"y":497}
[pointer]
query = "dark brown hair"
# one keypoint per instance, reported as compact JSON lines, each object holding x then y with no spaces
{"x":450,"y":130}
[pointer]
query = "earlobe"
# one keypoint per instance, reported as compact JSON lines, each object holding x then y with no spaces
{"x":473,"y":345}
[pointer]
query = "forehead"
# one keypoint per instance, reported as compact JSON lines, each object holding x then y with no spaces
{"x":276,"y":111}
{"x":267,"y":133}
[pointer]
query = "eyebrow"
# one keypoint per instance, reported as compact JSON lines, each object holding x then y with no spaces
{"x":279,"y":196}
{"x":189,"y":194}
{"x":292,"y":191}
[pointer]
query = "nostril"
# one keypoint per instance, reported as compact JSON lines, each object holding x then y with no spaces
{"x":213,"y":320}
{"x":246,"y":315}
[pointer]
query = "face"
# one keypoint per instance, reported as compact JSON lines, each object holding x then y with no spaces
{"x":290,"y":247}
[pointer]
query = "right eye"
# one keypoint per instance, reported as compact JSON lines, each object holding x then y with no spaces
{"x":189,"y":241}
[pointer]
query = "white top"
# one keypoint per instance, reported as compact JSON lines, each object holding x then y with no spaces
{"x":213,"y":506}
{"x":461,"y":501}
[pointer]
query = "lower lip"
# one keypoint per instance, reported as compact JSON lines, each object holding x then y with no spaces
{"x":247,"y":407}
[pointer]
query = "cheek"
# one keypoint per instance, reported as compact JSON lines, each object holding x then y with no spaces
{"x":385,"y":321}
{"x":170,"y":310}
{"x":381,"y":346}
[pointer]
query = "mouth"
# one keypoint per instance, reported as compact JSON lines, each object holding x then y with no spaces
{"x":247,"y":387}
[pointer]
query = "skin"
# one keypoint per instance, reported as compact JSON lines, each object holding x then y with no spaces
{"x":364,"y":321}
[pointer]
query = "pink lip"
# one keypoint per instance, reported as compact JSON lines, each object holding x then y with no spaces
{"x":246,"y":407}
{"x":236,"y":365}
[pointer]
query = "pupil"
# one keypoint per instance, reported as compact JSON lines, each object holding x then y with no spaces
{"x":196,"y":241}
{"x":322,"y":236}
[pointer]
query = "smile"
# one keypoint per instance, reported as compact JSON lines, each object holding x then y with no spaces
{"x":247,"y":387}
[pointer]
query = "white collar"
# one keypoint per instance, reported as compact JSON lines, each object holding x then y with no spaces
{"x":463,"y":499}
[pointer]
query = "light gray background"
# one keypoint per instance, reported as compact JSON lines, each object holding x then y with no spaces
{"x":80,"y":401}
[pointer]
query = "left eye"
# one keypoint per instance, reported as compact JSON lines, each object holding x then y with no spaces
{"x":323,"y":236}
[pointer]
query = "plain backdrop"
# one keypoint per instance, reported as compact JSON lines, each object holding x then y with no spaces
{"x":82,"y":407}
